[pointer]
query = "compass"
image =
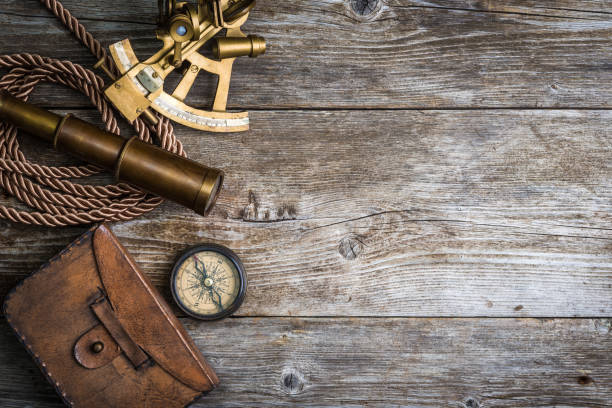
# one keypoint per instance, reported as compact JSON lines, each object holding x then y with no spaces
{"x":208,"y":282}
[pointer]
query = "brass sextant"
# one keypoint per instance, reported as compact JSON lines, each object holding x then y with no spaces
{"x":184,"y":29}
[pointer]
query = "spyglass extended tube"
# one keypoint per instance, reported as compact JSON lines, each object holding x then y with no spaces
{"x":133,"y":161}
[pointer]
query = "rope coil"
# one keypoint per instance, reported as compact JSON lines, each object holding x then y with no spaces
{"x":56,"y":200}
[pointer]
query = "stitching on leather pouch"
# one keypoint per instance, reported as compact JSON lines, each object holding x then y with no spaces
{"x":39,"y":362}
{"x":42,"y":365}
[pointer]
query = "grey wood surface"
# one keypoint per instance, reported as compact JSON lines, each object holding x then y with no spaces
{"x":424,"y":186}
{"x":405,"y":54}
{"x":354,"y":362}
{"x":437,"y":213}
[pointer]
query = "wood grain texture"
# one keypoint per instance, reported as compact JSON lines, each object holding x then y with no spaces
{"x":376,"y":182}
{"x":437,"y":213}
{"x":405,"y":54}
{"x":462,"y":363}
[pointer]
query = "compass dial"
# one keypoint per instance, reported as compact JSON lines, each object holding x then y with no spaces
{"x":208,"y":282}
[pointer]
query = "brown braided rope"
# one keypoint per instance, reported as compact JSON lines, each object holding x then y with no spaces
{"x":56,"y":199}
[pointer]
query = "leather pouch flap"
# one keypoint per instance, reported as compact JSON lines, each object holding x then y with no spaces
{"x":146,"y":317}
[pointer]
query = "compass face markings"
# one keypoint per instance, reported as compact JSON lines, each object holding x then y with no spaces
{"x":207,"y":283}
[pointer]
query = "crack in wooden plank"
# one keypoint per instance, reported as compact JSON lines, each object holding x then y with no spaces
{"x":433,"y":220}
{"x":409,"y":317}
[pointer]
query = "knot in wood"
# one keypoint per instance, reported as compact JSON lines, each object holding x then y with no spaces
{"x":471,"y":403}
{"x":603,"y":326}
{"x":292,"y":381}
{"x":364,"y":7}
{"x":350,"y":247}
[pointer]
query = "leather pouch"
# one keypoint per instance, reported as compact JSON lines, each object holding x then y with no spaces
{"x":101,"y":333}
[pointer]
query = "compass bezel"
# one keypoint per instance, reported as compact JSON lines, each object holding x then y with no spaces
{"x":227,"y":253}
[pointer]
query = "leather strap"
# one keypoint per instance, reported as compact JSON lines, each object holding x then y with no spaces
{"x":105,"y":314}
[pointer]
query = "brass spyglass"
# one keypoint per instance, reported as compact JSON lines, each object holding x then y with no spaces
{"x":131,"y":160}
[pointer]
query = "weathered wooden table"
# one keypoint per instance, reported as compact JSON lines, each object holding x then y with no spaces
{"x":423,"y":204}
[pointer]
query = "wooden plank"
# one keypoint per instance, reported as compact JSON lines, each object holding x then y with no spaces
{"x":464,"y":363}
{"x":404,"y":54}
{"x":436,"y":213}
